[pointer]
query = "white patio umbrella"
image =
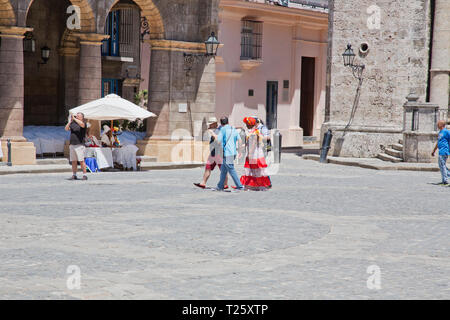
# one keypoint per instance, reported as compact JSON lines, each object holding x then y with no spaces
{"x":112,"y":107}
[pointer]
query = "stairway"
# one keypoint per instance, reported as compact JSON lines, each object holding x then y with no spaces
{"x":393,"y":153}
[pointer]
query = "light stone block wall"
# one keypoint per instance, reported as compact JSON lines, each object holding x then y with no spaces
{"x":396,"y":64}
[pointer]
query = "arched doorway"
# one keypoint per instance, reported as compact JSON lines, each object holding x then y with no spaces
{"x":148,"y":10}
{"x":44,"y":91}
{"x":126,"y":54}
{"x":122,"y":70}
{"x":51,"y":88}
{"x":87,"y":17}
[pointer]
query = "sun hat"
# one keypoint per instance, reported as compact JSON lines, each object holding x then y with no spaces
{"x":212,"y":120}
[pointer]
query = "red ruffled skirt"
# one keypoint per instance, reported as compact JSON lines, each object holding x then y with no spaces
{"x":255,"y":174}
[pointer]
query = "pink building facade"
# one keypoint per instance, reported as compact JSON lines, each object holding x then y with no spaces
{"x":273,"y":65}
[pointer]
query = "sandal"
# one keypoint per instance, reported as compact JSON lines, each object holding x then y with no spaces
{"x":200,"y":185}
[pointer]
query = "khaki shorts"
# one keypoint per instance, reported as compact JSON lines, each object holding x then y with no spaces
{"x":77,"y":152}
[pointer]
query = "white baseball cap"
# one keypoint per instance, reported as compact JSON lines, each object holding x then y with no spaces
{"x":106,"y":129}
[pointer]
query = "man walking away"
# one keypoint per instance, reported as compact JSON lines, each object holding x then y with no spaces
{"x":443,"y":144}
{"x":77,"y":128}
{"x":229,"y":137}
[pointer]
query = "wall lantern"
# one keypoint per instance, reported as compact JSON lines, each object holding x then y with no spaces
{"x":211,"y":46}
{"x":45,"y":55}
{"x":349,"y":61}
{"x":29,"y":43}
{"x":349,"y":56}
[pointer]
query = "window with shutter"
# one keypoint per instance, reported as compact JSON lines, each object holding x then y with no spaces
{"x":110,"y":46}
{"x":111,"y":86}
{"x":123,"y":27}
{"x":126,"y":32}
{"x":251,"y":40}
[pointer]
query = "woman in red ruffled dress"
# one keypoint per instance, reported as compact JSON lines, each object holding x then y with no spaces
{"x":255,"y":177}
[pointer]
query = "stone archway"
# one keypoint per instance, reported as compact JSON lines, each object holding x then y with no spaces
{"x":87,"y":16}
{"x":149,"y":10}
{"x":44,"y":90}
{"x":7,"y":15}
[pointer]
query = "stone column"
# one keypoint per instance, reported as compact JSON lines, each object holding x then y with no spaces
{"x":181,"y":100}
{"x":419,"y":130}
{"x":440,"y":60}
{"x":90,"y":76}
{"x":69,"y":52}
{"x":12,"y":95}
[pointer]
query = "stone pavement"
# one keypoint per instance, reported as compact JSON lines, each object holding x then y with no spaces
{"x":153,"y":235}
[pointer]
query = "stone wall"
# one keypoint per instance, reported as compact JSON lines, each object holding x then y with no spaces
{"x":396,"y":64}
{"x":74,"y":71}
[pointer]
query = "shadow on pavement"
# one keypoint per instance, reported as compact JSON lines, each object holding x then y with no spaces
{"x":300,"y":151}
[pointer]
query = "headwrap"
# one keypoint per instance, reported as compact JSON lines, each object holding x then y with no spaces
{"x":250,"y":121}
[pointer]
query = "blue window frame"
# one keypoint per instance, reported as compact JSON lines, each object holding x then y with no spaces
{"x":110,"y":46}
{"x":111,"y":86}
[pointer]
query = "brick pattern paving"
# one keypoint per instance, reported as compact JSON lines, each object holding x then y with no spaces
{"x":153,"y":235}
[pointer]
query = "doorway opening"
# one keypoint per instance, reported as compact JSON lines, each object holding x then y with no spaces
{"x":307,"y":96}
{"x":272,"y":104}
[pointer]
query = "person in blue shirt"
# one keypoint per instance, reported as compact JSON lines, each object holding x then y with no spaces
{"x":229,"y":138}
{"x":443,"y":144}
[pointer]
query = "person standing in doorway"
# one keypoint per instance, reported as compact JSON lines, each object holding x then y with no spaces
{"x":229,"y":138}
{"x":77,"y":128}
{"x":443,"y":144}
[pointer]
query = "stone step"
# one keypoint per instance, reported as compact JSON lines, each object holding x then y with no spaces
{"x":57,"y":161}
{"x":386,"y":157}
{"x":397,"y":146}
{"x":52,"y":161}
{"x":310,"y":139}
{"x":394,"y":153}
{"x":400,"y":141}
{"x":148,"y":159}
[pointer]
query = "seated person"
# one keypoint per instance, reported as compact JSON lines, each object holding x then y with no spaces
{"x":91,"y":141}
{"x":107,"y":139}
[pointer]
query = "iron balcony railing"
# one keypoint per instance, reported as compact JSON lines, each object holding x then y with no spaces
{"x":311,"y":3}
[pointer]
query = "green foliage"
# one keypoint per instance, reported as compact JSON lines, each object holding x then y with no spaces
{"x":137,"y":125}
{"x":140,"y":99}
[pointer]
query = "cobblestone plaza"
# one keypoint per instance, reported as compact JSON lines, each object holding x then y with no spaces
{"x":153,"y":235}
